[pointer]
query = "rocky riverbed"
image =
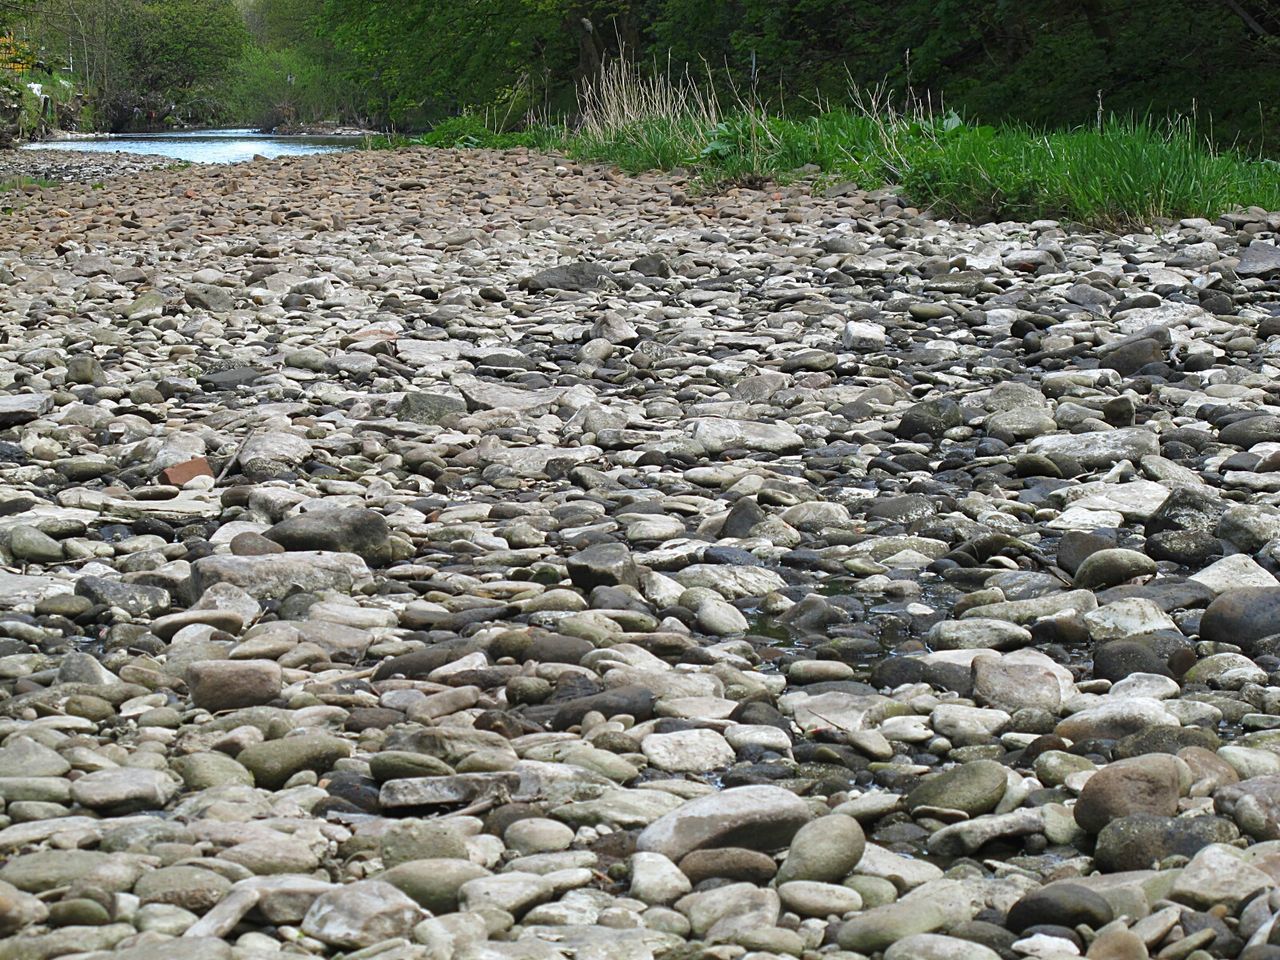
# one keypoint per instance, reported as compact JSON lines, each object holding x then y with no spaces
{"x":63,"y":166}
{"x":463,"y":556}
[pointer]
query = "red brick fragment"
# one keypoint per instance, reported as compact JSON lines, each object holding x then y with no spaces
{"x":180,"y":473}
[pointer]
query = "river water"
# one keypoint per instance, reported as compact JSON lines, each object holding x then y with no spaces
{"x":205,"y":146}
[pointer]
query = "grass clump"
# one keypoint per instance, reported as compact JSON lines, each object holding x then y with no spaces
{"x":1115,"y":173}
{"x":1123,"y":172}
{"x":24,"y":183}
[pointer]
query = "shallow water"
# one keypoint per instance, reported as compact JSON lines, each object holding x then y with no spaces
{"x":205,"y":146}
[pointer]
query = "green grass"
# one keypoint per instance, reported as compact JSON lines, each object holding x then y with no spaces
{"x":1118,"y":173}
{"x":22,"y":182}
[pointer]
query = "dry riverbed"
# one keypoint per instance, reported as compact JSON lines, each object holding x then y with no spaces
{"x":465,"y":556}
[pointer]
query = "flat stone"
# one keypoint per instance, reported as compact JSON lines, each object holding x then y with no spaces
{"x":756,"y":817}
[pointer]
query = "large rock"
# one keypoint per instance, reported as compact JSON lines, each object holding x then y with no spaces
{"x":974,"y":788}
{"x":124,"y":790}
{"x":361,"y":914}
{"x":755,"y":817}
{"x":1099,"y":449}
{"x":825,"y":850}
{"x":273,"y":762}
{"x":350,"y":530}
{"x":1138,"y":841}
{"x":1242,"y":617}
{"x":231,"y":684}
{"x":1147,"y":784}
{"x":717,"y":435}
{"x":275,"y":576}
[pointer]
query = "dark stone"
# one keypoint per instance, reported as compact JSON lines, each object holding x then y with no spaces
{"x":1186,"y":508}
{"x":351,"y":530}
{"x":605,"y":564}
{"x":1060,"y":904}
{"x":731,"y":863}
{"x":931,"y":417}
{"x":571,"y":276}
{"x":1076,"y":545}
{"x":1242,"y":616}
{"x":633,"y":700}
{"x":138,"y":600}
{"x":1165,"y":740}
{"x":1263,"y":428}
{"x":1140,"y":840}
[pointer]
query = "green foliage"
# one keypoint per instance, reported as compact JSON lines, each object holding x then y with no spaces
{"x":37,"y":113}
{"x":274,"y":87}
{"x":1120,"y":173}
{"x":1128,"y":172}
{"x":23,"y":183}
{"x":426,"y":59}
{"x":177,"y":45}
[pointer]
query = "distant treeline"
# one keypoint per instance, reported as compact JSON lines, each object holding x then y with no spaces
{"x":405,"y":64}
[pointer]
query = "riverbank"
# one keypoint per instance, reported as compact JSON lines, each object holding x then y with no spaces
{"x":1119,"y":173}
{"x":68,"y":166}
{"x":490,"y":556}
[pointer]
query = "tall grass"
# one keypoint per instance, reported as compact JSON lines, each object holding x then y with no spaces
{"x":1116,"y":173}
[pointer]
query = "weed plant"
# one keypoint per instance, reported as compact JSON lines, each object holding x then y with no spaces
{"x":1117,"y":173}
